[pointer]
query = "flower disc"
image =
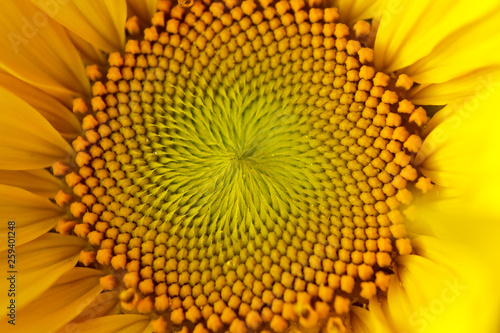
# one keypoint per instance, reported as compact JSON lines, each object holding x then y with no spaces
{"x":244,"y":167}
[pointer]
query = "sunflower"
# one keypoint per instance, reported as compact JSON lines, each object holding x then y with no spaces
{"x":249,"y":166}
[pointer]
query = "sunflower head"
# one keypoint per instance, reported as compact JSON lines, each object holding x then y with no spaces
{"x":233,"y":166}
{"x":243,"y":164}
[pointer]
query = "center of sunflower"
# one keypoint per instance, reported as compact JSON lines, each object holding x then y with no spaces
{"x":235,"y":162}
{"x":244,"y":167}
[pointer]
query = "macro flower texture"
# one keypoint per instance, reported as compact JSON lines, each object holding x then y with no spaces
{"x":314,"y":166}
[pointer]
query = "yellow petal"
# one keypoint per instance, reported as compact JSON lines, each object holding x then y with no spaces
{"x":398,"y":305}
{"x":470,"y":285}
{"x":379,"y":322}
{"x":144,"y":9}
{"x":418,"y":291}
{"x":458,"y":30}
{"x":484,"y":81}
{"x":37,"y":50}
{"x":462,"y":53}
{"x":59,"y":116}
{"x":448,"y":216}
{"x":352,"y":11}
{"x":461,"y":152}
{"x":33,"y":215}
{"x":360,"y":320}
{"x":39,"y":182}
{"x":27,"y":140}
{"x":90,"y":53}
{"x":103,"y":305}
{"x":59,"y":304}
{"x":39,"y":264}
{"x":125,"y":323}
{"x":101,"y":23}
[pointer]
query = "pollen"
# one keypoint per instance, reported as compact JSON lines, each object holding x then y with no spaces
{"x":244,"y":168}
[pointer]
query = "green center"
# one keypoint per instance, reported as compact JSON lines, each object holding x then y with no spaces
{"x":234,"y":161}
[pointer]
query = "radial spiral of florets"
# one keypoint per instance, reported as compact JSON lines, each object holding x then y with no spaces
{"x":244,"y":167}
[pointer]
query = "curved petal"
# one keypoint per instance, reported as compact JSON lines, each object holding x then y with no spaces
{"x":103,"y":305}
{"x":39,"y":182}
{"x":101,"y":23}
{"x":460,"y":155}
{"x":59,"y":304}
{"x":37,"y":50}
{"x":27,"y":140}
{"x":461,"y":152}
{"x":404,"y":37}
{"x":463,"y":87}
{"x":39,"y":264}
{"x":144,"y":9}
{"x":125,"y":323}
{"x":415,"y":298}
{"x":472,"y":286}
{"x":379,"y":322}
{"x":398,"y":305}
{"x":33,"y":215}
{"x":474,"y":54}
{"x":90,"y":53}
{"x":352,"y":11}
{"x":59,"y":116}
{"x":360,"y":321}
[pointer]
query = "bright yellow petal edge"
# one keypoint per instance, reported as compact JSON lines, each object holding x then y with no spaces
{"x":463,"y":213}
{"x":474,"y":273}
